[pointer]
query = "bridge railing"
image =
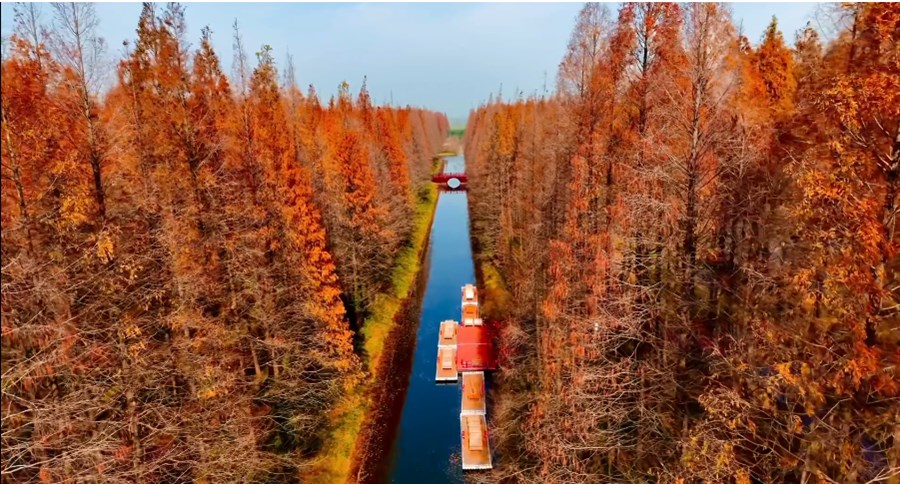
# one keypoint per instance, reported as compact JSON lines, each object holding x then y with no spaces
{"x":443,"y":177}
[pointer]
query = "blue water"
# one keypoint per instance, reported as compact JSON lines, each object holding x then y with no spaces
{"x":427,"y":446}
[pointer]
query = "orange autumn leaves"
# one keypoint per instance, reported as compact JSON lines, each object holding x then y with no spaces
{"x":700,"y":233}
{"x":180,"y":252}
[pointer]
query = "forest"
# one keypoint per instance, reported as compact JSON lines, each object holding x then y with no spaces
{"x":699,"y":233}
{"x":187,"y":256}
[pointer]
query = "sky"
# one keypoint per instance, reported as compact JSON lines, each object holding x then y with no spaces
{"x":442,"y":56}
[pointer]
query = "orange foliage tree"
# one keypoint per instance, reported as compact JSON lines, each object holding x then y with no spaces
{"x":716,"y":298}
{"x":172,"y":306}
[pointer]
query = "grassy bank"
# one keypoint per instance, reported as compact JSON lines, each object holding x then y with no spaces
{"x":335,"y":459}
{"x":378,"y":325}
{"x":495,"y":297}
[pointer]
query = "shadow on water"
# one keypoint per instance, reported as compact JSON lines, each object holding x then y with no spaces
{"x":387,"y":398}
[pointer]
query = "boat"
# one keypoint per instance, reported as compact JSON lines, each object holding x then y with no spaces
{"x":470,"y":305}
{"x":470,"y":315}
{"x":473,"y":396}
{"x":470,"y":294}
{"x":476,"y":449}
{"x":446,"y":364}
{"x":448,"y":333}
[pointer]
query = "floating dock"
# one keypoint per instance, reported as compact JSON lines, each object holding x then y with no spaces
{"x":468,"y":348}
{"x":475,"y":349}
{"x":476,"y":450}
{"x":473,"y":398}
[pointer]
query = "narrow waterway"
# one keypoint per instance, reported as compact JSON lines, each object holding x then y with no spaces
{"x":427,"y":446}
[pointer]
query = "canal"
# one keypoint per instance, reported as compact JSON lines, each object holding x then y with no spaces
{"x":427,"y":445}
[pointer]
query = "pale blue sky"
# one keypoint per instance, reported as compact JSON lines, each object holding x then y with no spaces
{"x":446,"y":57}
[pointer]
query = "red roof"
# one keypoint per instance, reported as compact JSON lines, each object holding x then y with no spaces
{"x":473,"y":335}
{"x":475,"y":349}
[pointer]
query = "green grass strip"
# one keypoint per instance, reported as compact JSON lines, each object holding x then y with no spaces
{"x":333,"y":463}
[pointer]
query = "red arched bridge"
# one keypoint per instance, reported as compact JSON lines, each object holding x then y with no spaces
{"x":448,"y":179}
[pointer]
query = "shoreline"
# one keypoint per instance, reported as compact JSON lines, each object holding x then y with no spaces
{"x":369,"y":460}
{"x":490,"y":281}
{"x":356,"y":427}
